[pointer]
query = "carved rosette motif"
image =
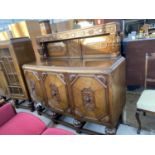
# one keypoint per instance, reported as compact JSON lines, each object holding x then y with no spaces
{"x":55,"y":92}
{"x":88,"y":98}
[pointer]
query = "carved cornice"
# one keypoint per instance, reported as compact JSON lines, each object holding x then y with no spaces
{"x":110,"y":28}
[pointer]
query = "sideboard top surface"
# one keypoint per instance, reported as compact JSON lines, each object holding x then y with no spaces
{"x":76,"y":65}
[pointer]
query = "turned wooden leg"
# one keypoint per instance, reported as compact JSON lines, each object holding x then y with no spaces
{"x":110,"y":131}
{"x":138,"y":121}
{"x":54,"y":116}
{"x":32,"y":107}
{"x":40,"y":109}
{"x":16,"y":103}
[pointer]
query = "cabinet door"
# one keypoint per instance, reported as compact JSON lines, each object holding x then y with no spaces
{"x":90,"y":97}
{"x":3,"y":84}
{"x":55,"y":87}
{"x":34,"y":85}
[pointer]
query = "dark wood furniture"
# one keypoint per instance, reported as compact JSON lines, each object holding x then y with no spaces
{"x":81,"y":75}
{"x":135,"y":52}
{"x":13,"y":54}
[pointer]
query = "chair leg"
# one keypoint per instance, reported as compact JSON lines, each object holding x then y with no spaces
{"x":138,"y":120}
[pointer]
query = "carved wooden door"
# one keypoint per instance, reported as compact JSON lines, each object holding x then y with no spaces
{"x":90,"y":97}
{"x":34,"y":85}
{"x":55,"y":87}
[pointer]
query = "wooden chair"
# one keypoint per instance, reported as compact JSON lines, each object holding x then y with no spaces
{"x":146,"y":102}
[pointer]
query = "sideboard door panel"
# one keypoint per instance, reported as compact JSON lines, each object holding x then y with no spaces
{"x":90,"y":97}
{"x":55,"y":87}
{"x":34,"y":85}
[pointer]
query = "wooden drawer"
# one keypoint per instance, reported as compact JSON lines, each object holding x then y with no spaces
{"x":102,"y":45}
{"x":90,"y":97}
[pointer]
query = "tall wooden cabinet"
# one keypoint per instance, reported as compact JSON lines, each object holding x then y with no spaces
{"x":81,"y":75}
{"x":13,"y":54}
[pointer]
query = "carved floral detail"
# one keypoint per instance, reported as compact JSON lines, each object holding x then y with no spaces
{"x":55,"y":92}
{"x":95,"y":30}
{"x":88,"y":98}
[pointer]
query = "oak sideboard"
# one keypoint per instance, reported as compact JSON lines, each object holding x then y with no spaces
{"x":81,"y":75}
